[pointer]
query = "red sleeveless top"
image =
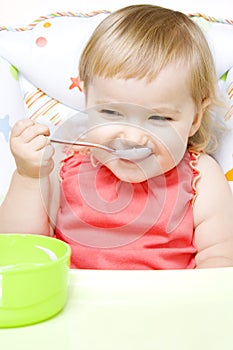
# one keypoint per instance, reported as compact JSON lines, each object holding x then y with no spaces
{"x":111,"y":224}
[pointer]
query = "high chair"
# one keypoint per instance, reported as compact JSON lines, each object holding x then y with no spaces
{"x":159,"y":310}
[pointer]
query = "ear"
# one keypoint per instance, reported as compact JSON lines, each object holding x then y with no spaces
{"x":198,"y":117}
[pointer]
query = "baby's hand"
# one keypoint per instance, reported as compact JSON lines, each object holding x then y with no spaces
{"x":31,"y":148}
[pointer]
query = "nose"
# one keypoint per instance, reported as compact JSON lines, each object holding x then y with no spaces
{"x":133,"y":136}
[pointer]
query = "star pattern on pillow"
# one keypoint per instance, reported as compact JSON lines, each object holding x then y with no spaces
{"x":75,"y":83}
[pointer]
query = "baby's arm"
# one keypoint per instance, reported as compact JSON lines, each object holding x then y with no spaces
{"x":213,"y":216}
{"x":25,"y":208}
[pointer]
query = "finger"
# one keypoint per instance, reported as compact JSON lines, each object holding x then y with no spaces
{"x":38,"y":143}
{"x":33,"y":131}
{"x":20,"y":126}
{"x":48,"y":153}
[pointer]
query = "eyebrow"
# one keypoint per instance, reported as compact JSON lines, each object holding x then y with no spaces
{"x":166,"y":109}
{"x":106,"y":102}
{"x":159,"y":109}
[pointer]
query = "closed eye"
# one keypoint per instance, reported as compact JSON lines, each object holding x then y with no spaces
{"x":110,"y":112}
{"x":159,"y":118}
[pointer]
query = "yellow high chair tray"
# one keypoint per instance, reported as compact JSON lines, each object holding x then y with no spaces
{"x":139,"y":310}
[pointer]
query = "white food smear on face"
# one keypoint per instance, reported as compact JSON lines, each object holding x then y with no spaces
{"x":134,"y":153}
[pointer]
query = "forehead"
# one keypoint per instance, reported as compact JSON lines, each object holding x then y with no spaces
{"x":171,"y":86}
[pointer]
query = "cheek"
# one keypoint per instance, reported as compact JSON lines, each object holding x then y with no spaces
{"x":172,"y":144}
{"x":100,"y":133}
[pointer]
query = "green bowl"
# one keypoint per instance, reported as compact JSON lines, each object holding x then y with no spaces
{"x":33,"y":278}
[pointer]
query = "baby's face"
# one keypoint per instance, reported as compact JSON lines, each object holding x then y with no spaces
{"x":160,"y":115}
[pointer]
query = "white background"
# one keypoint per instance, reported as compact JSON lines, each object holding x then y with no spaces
{"x":22,"y":12}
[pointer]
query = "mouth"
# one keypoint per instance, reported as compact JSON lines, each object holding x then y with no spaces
{"x":126,"y":151}
{"x":133,"y":154}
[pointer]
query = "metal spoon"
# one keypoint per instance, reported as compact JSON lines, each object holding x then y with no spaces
{"x":133,"y":154}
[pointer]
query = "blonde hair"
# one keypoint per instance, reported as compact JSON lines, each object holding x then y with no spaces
{"x":138,"y":41}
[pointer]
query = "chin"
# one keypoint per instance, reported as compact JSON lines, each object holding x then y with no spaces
{"x":134,"y":175}
{"x":131,"y":172}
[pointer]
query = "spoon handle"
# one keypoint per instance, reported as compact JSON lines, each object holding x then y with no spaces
{"x":81,"y":143}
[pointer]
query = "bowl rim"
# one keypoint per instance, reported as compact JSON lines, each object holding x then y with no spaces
{"x":64,"y":257}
